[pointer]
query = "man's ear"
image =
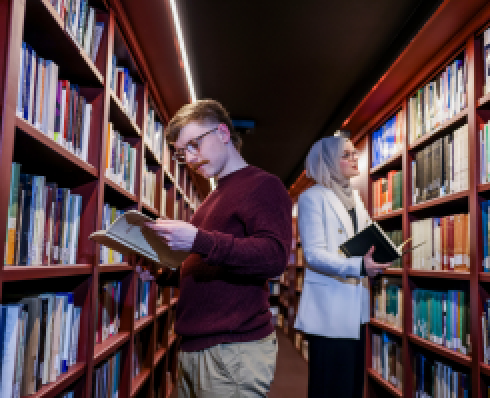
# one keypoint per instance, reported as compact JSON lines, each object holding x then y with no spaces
{"x":224,"y":133}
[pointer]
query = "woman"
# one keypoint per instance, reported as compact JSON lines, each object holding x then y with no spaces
{"x":335,"y":301}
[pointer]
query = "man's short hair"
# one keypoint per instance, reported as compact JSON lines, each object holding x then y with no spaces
{"x":206,"y":110}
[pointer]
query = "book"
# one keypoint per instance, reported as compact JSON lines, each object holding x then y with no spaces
{"x":127,"y":235}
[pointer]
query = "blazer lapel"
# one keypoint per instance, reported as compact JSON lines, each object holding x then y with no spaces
{"x":341,"y":212}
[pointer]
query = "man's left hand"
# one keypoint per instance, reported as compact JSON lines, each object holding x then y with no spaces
{"x":178,"y":235}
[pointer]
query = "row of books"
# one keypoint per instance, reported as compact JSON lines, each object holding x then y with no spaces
{"x":387,"y":358}
{"x":154,"y":134}
{"x":109,"y":215}
{"x":443,"y":318}
{"x":485,"y":319}
{"x":43,"y":221}
{"x":80,"y":21}
{"x":53,"y":106}
{"x":396,"y":237}
{"x":388,"y":301}
{"x":125,"y":89}
{"x":442,"y":167}
{"x":387,"y":140}
{"x":38,"y":341}
{"x":387,"y":193}
{"x":436,"y":379}
{"x":439,"y":100}
{"x":121,"y":160}
{"x":149,"y":186}
{"x":108,"y":311}
{"x":142,"y":299}
{"x":107,"y":378}
{"x":445,"y":243}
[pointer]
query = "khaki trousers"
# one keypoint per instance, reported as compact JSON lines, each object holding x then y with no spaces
{"x":233,"y":370}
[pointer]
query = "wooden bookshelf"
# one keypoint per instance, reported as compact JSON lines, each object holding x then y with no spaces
{"x":453,"y":31}
{"x":386,"y":326}
{"x":389,"y":216}
{"x":393,"y":271}
{"x":386,"y":384}
{"x":37,"y":23}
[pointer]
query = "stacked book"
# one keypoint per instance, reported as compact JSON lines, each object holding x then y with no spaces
{"x":142,"y":299}
{"x":105,"y":383}
{"x":154,"y":134}
{"x":443,"y":318}
{"x":436,"y":379}
{"x":442,"y":167}
{"x":80,"y":22}
{"x":387,"y":358}
{"x":387,"y":141}
{"x":108,"y":314}
{"x":125,"y":89}
{"x":387,"y":193}
{"x":121,"y":160}
{"x":445,"y":243}
{"x":43,"y":221}
{"x":439,"y":100}
{"x":53,"y":106}
{"x":149,"y":187}
{"x":39,"y":336}
{"x":388,"y":301}
{"x":109,"y":215}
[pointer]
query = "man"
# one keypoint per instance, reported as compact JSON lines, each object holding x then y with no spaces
{"x":238,"y":238}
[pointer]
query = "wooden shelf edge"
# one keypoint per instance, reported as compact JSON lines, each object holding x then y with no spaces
{"x":485,"y":100}
{"x":387,"y":163}
{"x":439,"y":274}
{"x":142,"y":323}
{"x":485,"y":369}
{"x":12,"y":273}
{"x":119,"y":104}
{"x":386,"y":327}
{"x":43,"y":139}
{"x":138,"y":381}
{"x":120,"y":190}
{"x":62,"y":382}
{"x":483,"y":187}
{"x":386,"y":384}
{"x":161,"y":310}
{"x":153,"y":154}
{"x":439,"y":201}
{"x":173,"y":301}
{"x":418,"y":144}
{"x":103,"y":268}
{"x":150,"y":209}
{"x":464,"y":360}
{"x":388,"y":216}
{"x":484,"y":276}
{"x":159,"y":355}
{"x":109,"y":346}
{"x":393,"y":271}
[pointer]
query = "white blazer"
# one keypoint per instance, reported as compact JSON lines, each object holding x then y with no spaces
{"x":335,"y":299}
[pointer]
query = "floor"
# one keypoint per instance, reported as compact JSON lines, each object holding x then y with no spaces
{"x":291,"y":377}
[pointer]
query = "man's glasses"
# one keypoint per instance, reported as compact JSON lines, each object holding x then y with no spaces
{"x":191,"y":146}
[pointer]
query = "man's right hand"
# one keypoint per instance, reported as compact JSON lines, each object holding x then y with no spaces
{"x":372,"y":267}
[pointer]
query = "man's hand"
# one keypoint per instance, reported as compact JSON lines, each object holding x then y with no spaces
{"x":178,"y":235}
{"x":373,"y":268}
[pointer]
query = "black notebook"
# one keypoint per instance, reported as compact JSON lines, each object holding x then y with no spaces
{"x":385,"y":250}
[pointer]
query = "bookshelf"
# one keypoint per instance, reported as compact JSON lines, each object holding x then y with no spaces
{"x":38,"y":23}
{"x":438,"y":44}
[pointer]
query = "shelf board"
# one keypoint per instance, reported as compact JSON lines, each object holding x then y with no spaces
{"x":161,"y":310}
{"x":159,"y":355}
{"x":48,"y":149}
{"x":141,"y":323}
{"x":150,"y":210}
{"x":438,"y":132}
{"x":114,"y":267}
{"x":439,"y":201}
{"x":62,"y":382}
{"x":464,"y":360}
{"x":138,"y":381}
{"x":173,"y":301}
{"x":12,"y":273}
{"x":386,"y":326}
{"x":391,"y":215}
{"x":169,"y":175}
{"x":485,"y":369}
{"x":484,"y":102}
{"x":121,"y":121}
{"x":439,"y":274}
{"x":109,"y":346}
{"x":386,"y":384}
{"x":393,"y":163}
{"x":120,"y":190}
{"x":171,"y":341}
{"x":393,"y":271}
{"x":44,"y":26}
{"x":153,"y":158}
{"x":484,"y":276}
{"x":483,"y":187}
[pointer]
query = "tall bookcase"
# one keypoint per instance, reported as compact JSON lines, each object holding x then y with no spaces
{"x":456,"y":27}
{"x":38,"y":23}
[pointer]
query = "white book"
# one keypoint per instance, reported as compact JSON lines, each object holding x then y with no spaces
{"x":75,"y":229}
{"x":53,"y":83}
{"x":99,"y":29}
{"x":38,"y":99}
{"x":46,"y":96}
{"x":31,"y":88}
{"x":61,"y":138}
{"x":88,"y":33}
{"x":12,"y":314}
{"x":20,"y":85}
{"x":132,"y":171}
{"x":67,"y":326}
{"x":76,"y":17}
{"x":86,"y":131}
{"x":126,"y":235}
{"x":75,"y":335}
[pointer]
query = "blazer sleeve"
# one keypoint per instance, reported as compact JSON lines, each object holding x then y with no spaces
{"x":319,"y":256}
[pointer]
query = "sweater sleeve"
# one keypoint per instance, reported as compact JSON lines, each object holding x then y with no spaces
{"x":264,"y":251}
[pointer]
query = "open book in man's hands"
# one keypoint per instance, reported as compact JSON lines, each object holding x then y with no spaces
{"x":373,"y":235}
{"x":127,"y":235}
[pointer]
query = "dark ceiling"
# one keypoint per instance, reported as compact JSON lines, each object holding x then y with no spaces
{"x":297,"y":68}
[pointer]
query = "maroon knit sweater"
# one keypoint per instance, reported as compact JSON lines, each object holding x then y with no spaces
{"x":244,"y":238}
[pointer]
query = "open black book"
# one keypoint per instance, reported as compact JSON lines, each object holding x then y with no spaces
{"x":385,"y":250}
